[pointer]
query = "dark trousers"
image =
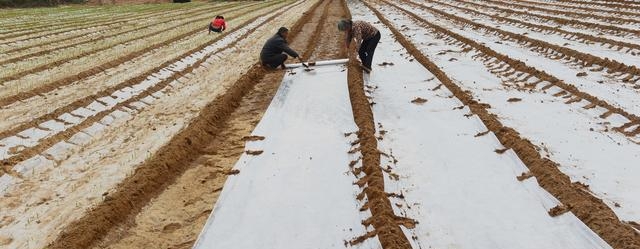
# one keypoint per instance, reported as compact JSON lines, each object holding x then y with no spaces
{"x":217,"y":30}
{"x":367,"y":49}
{"x":274,"y":61}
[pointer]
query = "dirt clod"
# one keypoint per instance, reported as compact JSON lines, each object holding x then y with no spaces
{"x":254,"y":152}
{"x":481,"y":133}
{"x":419,"y":101}
{"x":558,"y":210}
{"x":501,"y":151}
{"x":524,"y":176}
{"x":252,"y":138}
{"x":232,"y":172}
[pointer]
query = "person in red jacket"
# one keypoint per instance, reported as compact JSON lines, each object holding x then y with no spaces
{"x":217,"y":25}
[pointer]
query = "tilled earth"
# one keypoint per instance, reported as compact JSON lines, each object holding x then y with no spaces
{"x":120,"y":124}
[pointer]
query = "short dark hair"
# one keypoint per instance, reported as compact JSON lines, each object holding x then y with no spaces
{"x":219,"y":17}
{"x":344,"y":24}
{"x":282,"y":30}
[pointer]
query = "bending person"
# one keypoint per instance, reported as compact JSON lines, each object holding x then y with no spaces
{"x":272,"y":54}
{"x":366,"y":37}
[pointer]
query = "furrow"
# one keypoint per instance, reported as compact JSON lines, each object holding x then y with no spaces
{"x":28,"y":91}
{"x":614,"y":30}
{"x":600,"y":10}
{"x":98,"y":105}
{"x":581,"y":37}
{"x":561,"y":13}
{"x":591,"y":210}
{"x":522,"y":67}
{"x":47,"y":65}
{"x":67,"y":27}
{"x":167,"y":164}
{"x":101,"y":35}
{"x":386,"y":224}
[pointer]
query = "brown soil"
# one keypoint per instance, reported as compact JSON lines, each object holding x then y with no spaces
{"x":524,"y":176}
{"x":584,"y":38}
{"x":174,"y":218}
{"x":558,"y":210}
{"x":564,"y":21}
{"x":63,"y":27}
{"x":162,"y":170}
{"x":550,"y":50}
{"x":332,"y":47}
{"x":609,"y":28}
{"x":385,"y":222}
{"x":189,"y":200}
{"x":252,"y":138}
{"x":619,"y":12}
{"x":44,"y":67}
{"x":76,"y":24}
{"x":5,"y":241}
{"x":508,"y":63}
{"x":501,"y":151}
{"x":232,"y":172}
{"x":160,"y":17}
{"x":50,"y":86}
{"x":254,"y":152}
{"x":48,"y":142}
{"x":589,"y":209}
{"x":480,"y":134}
{"x":573,"y":14}
{"x":101,"y":2}
{"x":105,"y":26}
{"x":419,"y":101}
{"x":157,"y":172}
{"x":622,"y":4}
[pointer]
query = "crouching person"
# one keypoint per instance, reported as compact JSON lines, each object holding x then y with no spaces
{"x":272,"y":54}
{"x":217,"y":25}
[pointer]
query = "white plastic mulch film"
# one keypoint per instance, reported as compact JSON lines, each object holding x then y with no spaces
{"x":297,"y":193}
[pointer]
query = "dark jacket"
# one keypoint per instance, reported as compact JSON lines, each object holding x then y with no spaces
{"x":275,"y":46}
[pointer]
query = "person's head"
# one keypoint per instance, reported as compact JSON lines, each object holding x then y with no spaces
{"x":344,"y":25}
{"x":284,"y":32}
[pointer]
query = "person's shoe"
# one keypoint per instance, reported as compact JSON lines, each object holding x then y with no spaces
{"x":268,"y":67}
